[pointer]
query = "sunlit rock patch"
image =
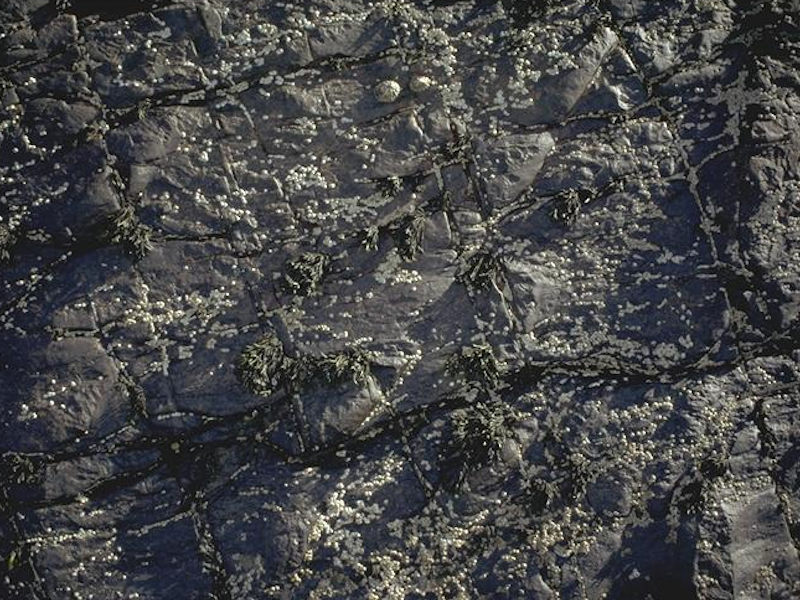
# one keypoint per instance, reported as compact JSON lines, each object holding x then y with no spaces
{"x":403,"y":299}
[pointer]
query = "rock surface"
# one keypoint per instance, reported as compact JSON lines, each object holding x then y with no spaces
{"x":526,"y":329}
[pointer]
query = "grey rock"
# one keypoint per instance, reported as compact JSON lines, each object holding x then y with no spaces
{"x":603,"y":196}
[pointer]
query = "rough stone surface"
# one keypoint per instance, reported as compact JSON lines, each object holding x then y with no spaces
{"x":529,"y":330}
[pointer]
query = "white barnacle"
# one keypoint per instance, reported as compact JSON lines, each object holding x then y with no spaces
{"x":387,"y":91}
{"x":420,"y":83}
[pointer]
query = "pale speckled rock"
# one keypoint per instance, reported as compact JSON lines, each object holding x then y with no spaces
{"x":565,"y":240}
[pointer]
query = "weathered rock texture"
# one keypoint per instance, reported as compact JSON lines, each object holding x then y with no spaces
{"x":400,"y":299}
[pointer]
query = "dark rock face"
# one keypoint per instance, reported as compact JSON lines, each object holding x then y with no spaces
{"x":400,"y":299}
